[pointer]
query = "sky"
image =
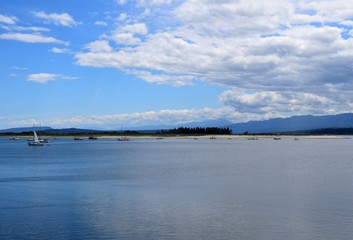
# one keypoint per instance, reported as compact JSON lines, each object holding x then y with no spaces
{"x":109,"y":64}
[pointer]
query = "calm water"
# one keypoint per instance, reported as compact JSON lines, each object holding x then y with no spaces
{"x":177,"y":189}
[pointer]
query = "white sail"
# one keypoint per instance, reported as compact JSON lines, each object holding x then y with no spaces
{"x":36,"y":140}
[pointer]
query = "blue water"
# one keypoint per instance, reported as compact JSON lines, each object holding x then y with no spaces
{"x":177,"y":189}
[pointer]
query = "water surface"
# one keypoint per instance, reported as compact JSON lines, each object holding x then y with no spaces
{"x":177,"y":189}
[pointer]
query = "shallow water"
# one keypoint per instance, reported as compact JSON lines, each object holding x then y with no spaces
{"x":177,"y":189}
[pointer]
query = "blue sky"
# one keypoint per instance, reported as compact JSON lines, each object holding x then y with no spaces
{"x":112,"y":63}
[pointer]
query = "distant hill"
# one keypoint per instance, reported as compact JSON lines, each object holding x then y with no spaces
{"x":203,"y":124}
{"x":65,"y":131}
{"x":148,"y":128}
{"x":221,"y":122}
{"x":295,"y":123}
{"x":24,"y":129}
{"x":52,"y":131}
{"x":300,"y":124}
{"x":324,"y":131}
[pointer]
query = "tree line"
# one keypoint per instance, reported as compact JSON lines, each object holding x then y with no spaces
{"x":197,"y":131}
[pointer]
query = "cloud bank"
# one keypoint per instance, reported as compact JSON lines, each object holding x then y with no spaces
{"x":277,"y":57}
{"x":161,"y":117}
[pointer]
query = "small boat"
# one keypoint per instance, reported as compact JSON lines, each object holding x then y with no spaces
{"x":123,"y":139}
{"x":43,"y":140}
{"x":253,"y":138}
{"x":35,"y":141}
{"x":92,"y":138}
{"x":15,"y":138}
{"x":277,"y":138}
{"x":78,"y":138}
{"x":213,"y":137}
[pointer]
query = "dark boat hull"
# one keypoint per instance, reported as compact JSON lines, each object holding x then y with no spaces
{"x":34,"y":144}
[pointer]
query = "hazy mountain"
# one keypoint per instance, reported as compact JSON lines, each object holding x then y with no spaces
{"x":49,"y":130}
{"x":275,"y":125}
{"x":295,"y":123}
{"x":148,"y":128}
{"x":207,"y":123}
{"x":24,"y":129}
{"x":72,"y":131}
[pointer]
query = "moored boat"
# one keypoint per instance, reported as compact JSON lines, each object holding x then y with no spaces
{"x":35,"y":141}
{"x":14,"y":138}
{"x":123,"y":139}
{"x":253,"y":138}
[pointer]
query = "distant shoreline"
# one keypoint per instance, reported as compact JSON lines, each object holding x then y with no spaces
{"x":150,"y":136}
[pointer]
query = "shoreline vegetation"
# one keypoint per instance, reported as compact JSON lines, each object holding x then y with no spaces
{"x":182,"y":132}
{"x":194,"y":137}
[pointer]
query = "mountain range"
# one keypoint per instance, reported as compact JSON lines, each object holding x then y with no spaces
{"x":221,"y":122}
{"x":24,"y":129}
{"x":275,"y":125}
{"x":295,"y":123}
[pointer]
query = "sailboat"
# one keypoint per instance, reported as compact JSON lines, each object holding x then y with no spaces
{"x":35,"y":141}
{"x":122,"y":138}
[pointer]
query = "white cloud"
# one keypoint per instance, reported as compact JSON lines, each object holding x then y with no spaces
{"x":176,"y":80}
{"x":59,"y":50}
{"x":20,"y":68}
{"x":122,"y":17}
{"x":63,"y":19}
{"x":8,"y":19}
{"x":153,"y":2}
{"x":283,"y":51}
{"x":25,"y":29}
{"x":42,"y":77}
{"x":99,"y":46}
{"x":127,"y":34}
{"x":272,"y":102}
{"x":46,"y":77}
{"x":347,"y":23}
{"x":163,"y":117}
{"x":122,"y":2}
{"x":137,"y":28}
{"x":101,"y":23}
{"x":170,"y":55}
{"x":30,"y":38}
{"x":329,"y":10}
{"x":234,"y":18}
{"x":126,"y":39}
